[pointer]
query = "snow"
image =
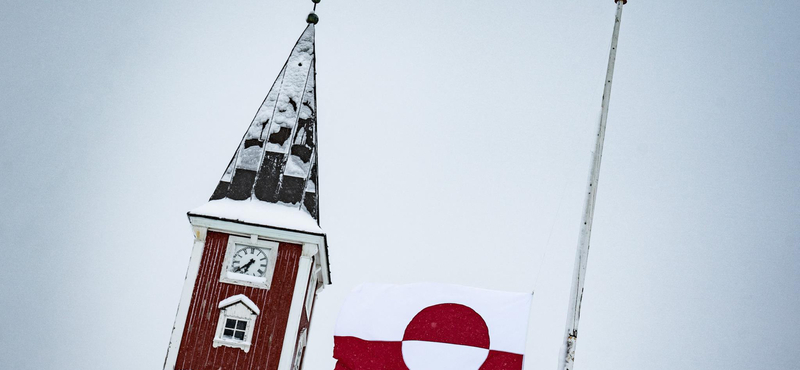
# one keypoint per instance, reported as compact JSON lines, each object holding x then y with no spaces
{"x":247,"y":278}
{"x":311,"y":187}
{"x":291,"y":98}
{"x":296,"y":167}
{"x":240,"y":298}
{"x":260,"y":213}
{"x":295,"y":78}
{"x":228,"y":175}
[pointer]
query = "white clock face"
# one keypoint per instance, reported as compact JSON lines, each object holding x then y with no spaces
{"x":249,"y":260}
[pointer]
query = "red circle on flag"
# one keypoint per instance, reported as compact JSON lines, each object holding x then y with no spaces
{"x":449,"y":323}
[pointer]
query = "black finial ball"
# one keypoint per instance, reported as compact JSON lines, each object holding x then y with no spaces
{"x":316,"y":1}
{"x":312,"y":18}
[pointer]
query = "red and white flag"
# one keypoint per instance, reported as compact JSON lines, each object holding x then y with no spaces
{"x":431,"y":327}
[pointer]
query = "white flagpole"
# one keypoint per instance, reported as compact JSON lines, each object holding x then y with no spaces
{"x":567,"y":356}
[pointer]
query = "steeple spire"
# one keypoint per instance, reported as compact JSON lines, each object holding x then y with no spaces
{"x":276,"y":161}
{"x":259,"y":256}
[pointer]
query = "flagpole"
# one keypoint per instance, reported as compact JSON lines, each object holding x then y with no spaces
{"x":567,"y":355}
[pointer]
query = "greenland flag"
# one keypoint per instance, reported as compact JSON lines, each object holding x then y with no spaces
{"x":431,"y":327}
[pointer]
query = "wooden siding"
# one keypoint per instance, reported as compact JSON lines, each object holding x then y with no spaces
{"x":196,"y":350}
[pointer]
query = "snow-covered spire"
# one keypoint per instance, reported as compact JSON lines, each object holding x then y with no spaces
{"x":276,"y":161}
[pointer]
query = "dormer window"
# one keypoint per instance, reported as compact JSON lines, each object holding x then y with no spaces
{"x":235,"y":329}
{"x":237,"y":315}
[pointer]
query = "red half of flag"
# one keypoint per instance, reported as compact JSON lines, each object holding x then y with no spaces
{"x":431,"y":327}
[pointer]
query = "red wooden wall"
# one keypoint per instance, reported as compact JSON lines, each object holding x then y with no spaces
{"x":196,"y":351}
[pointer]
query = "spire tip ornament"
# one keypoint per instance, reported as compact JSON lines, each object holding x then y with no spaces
{"x":312,"y":18}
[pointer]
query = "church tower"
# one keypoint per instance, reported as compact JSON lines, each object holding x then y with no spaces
{"x":259,"y":256}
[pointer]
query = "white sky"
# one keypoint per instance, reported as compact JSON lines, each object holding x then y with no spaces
{"x":454,"y":147}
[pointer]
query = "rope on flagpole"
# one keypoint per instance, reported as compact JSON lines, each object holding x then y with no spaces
{"x":568,"y":182}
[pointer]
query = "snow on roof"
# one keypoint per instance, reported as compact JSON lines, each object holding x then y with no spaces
{"x":253,"y":211}
{"x":276,"y":161}
{"x":240,"y":298}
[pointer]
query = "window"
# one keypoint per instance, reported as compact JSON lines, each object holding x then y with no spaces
{"x":312,"y":290}
{"x":301,"y":346}
{"x":234,"y":329}
{"x":237,"y":316}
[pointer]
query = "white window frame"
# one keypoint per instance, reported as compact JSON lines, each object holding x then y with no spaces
{"x":301,"y":347}
{"x":238,"y":307}
{"x":312,"y":292}
{"x":235,"y":329}
{"x":269,"y":247}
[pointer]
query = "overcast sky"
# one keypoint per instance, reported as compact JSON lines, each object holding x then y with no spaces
{"x":454,"y":140}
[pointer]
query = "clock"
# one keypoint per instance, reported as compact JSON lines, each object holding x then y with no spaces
{"x":249,"y":262}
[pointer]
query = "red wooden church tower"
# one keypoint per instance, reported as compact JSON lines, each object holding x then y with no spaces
{"x":259,"y":255}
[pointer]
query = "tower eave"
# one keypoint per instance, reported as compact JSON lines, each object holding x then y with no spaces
{"x":254,"y":212}
{"x":215,"y":217}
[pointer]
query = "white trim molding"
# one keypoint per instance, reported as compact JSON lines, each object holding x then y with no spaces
{"x":186,"y":296}
{"x":296,"y":309}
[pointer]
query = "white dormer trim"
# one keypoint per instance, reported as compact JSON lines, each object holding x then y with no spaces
{"x":240,"y":298}
{"x":234,"y":311}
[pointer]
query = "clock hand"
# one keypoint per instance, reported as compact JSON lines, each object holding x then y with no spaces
{"x":246,"y":266}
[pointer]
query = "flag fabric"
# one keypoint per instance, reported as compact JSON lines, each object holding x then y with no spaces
{"x":431,"y":327}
